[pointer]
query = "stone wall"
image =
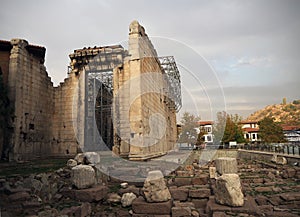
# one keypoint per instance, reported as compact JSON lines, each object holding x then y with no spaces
{"x":266,"y":156}
{"x":31,"y":91}
{"x":64,"y":141}
{"x":43,"y":114}
{"x":146,"y":125}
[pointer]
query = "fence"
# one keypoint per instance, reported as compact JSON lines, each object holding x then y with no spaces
{"x":284,"y":148}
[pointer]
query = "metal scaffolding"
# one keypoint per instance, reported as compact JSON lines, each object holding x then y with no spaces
{"x":168,"y":65}
{"x":98,"y":64}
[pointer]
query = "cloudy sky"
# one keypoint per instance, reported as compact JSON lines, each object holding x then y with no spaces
{"x":252,"y":46}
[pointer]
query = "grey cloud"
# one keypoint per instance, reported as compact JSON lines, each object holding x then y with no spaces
{"x":218,"y":30}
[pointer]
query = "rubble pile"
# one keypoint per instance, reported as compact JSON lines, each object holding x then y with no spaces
{"x":224,"y":187}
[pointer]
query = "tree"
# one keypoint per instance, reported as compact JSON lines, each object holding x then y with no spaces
{"x":284,"y":101}
{"x":228,"y":129}
{"x":200,"y":139}
{"x":189,"y":125}
{"x":233,"y":130}
{"x":219,"y":126}
{"x":270,"y":131}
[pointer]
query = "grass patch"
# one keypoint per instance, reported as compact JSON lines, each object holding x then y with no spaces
{"x":114,"y":188}
{"x":33,"y":167}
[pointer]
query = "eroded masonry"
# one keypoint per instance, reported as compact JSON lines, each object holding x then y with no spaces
{"x":113,"y":99}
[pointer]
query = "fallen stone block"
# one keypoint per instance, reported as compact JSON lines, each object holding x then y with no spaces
{"x":71,"y":163}
{"x":83,"y":176}
{"x":219,"y":214}
{"x":226,"y":165}
{"x":201,"y":179}
{"x":83,"y":210}
{"x":228,"y":190}
{"x":127,"y":199}
{"x":200,"y":203}
{"x":181,"y":211}
{"x":250,"y":207}
{"x":183,"y":204}
{"x":140,"y":206}
{"x":264,"y":189}
{"x":279,"y":159}
{"x":97,"y":193}
{"x":199,"y":193}
{"x":184,"y":173}
{"x":212,"y":172}
{"x":113,"y":198}
{"x":261,"y":200}
{"x":213,"y":207}
{"x":155,"y":188}
{"x":91,"y":157}
{"x":182,"y":181}
{"x":291,"y":196}
{"x":180,"y":193}
{"x":288,"y":173}
{"x":266,"y":208}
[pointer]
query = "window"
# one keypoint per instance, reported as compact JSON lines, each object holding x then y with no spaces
{"x":253,"y":136}
{"x":208,"y":138}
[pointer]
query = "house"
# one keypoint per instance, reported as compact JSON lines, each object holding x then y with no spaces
{"x":291,"y":133}
{"x":206,"y":128}
{"x":250,"y":130}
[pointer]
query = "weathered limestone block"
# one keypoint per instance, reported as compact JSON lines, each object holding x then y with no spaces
{"x":228,"y":190}
{"x":180,"y":194}
{"x":155,"y":189}
{"x":279,"y":159}
{"x":181,"y":211}
{"x":97,"y":193}
{"x":83,"y":176}
{"x":212,"y":172}
{"x":114,"y":198}
{"x":201,"y":179}
{"x":71,"y":163}
{"x":91,"y":157}
{"x":199,"y":193}
{"x":225,"y":165}
{"x":124,"y":185}
{"x":127,"y":199}
{"x":140,"y":206}
{"x":79,"y":158}
{"x":87,"y":158}
{"x":84,"y":209}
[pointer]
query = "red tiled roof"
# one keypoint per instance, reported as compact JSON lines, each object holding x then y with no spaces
{"x":250,"y":130}
{"x":202,"y":123}
{"x":288,"y":127}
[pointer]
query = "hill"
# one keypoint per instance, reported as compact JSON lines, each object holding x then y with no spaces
{"x":286,"y":113}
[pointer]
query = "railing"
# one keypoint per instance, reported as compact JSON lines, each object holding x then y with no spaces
{"x":284,"y":148}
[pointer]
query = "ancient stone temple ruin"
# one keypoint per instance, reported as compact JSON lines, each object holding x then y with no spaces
{"x":113,"y":99}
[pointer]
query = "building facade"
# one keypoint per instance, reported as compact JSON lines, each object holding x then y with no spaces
{"x":250,"y":130}
{"x":82,"y":114}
